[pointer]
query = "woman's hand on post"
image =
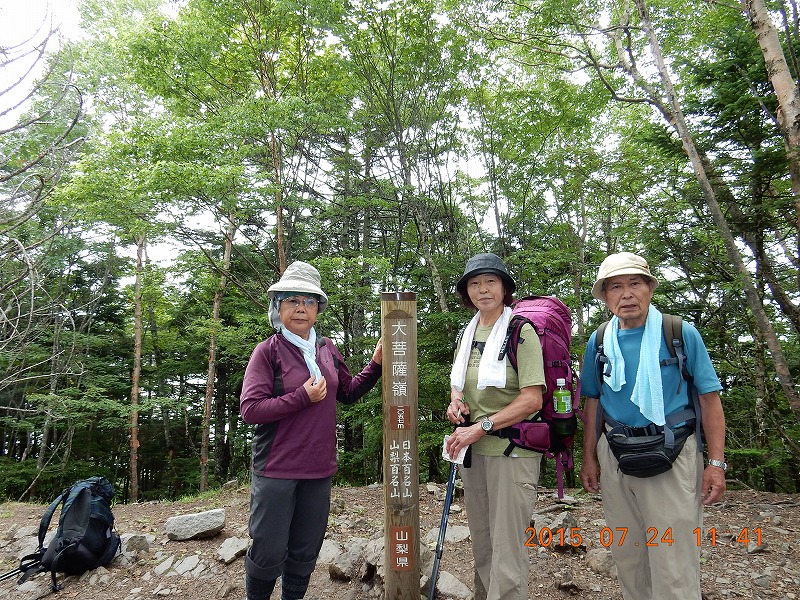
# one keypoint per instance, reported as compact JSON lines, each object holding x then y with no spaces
{"x":316,"y":391}
{"x":377,"y":356}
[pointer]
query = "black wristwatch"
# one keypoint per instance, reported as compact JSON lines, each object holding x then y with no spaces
{"x":487,"y":424}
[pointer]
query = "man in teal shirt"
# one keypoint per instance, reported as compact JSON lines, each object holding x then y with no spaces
{"x":660,"y":516}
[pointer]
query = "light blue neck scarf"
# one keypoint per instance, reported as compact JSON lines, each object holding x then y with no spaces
{"x":308,"y":348}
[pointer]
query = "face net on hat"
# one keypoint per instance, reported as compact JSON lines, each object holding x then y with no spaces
{"x":302,"y":278}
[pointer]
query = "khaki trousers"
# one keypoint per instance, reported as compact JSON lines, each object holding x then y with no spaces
{"x":500,"y":493}
{"x":651,"y":511}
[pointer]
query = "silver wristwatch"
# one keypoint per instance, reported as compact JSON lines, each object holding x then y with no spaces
{"x":718,"y":463}
{"x":487,"y":424}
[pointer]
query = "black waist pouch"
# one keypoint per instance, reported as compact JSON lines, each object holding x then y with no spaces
{"x":645,"y":455}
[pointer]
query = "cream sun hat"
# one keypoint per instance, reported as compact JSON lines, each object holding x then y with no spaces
{"x":622,"y":263}
{"x":300,"y":278}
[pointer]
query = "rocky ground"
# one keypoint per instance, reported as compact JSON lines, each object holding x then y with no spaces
{"x":734,"y":567}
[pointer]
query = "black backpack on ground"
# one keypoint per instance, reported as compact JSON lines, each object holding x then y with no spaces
{"x":85,"y":538}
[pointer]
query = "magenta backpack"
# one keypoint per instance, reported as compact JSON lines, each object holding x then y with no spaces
{"x":552,"y":321}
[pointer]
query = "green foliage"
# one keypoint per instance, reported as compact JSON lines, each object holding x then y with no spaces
{"x":18,"y":477}
{"x":393,"y":140}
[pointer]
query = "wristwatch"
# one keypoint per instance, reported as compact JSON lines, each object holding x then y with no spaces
{"x":487,"y":424}
{"x":718,"y":463}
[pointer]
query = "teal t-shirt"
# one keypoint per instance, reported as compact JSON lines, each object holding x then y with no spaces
{"x":618,"y":405}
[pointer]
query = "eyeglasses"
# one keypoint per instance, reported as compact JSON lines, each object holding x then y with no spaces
{"x":294,"y":302}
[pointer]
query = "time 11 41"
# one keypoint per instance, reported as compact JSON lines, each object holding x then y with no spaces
{"x":745,"y":535}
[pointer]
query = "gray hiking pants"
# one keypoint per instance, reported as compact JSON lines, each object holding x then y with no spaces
{"x":288,"y":519}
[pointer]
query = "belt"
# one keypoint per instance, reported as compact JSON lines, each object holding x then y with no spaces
{"x":651,"y":429}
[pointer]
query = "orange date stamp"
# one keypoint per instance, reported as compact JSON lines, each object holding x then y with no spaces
{"x":606,"y":536}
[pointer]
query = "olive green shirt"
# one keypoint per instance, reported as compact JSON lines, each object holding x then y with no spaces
{"x":490,"y":400}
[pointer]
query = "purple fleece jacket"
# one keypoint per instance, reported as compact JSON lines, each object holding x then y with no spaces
{"x":295,"y":438}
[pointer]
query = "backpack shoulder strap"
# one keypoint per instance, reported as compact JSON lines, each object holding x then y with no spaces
{"x":76,"y":510}
{"x":512,"y":339}
{"x":323,"y":341}
{"x":277,"y":376}
{"x":29,"y":565}
{"x":673,"y":334}
{"x":673,"y":330}
{"x":602,"y":366}
{"x":44,"y":524}
{"x":457,"y":341}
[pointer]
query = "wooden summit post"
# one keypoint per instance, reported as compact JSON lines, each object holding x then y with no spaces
{"x":400,"y":441}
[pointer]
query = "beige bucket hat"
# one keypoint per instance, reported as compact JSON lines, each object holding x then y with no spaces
{"x":302,"y":278}
{"x":622,"y":263}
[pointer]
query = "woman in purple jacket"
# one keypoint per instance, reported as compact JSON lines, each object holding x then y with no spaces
{"x":290,"y":390}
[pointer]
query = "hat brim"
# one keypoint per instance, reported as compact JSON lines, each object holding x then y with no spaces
{"x":461,"y":285}
{"x":597,"y":288}
{"x":300,"y":288}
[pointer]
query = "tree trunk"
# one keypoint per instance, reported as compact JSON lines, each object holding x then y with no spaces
{"x":280,"y":244}
{"x":786,"y":90}
{"x":212,"y":353}
{"x":762,"y":407}
{"x":674,"y":115}
{"x":436,"y":278}
{"x":44,"y":443}
{"x":137,"y":369}
{"x":158,"y":357}
{"x":222,"y":437}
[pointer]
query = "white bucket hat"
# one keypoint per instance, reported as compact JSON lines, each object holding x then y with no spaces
{"x":622,"y":263}
{"x":300,"y":278}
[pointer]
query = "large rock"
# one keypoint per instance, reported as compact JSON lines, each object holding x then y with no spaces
{"x":346,"y":564}
{"x":195,"y":526}
{"x":328,"y":553}
{"x":452,"y":535}
{"x":136,"y":542}
{"x":600,"y":561}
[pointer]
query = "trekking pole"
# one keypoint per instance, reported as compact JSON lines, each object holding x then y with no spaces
{"x":10,"y":574}
{"x":448,"y":500}
{"x":26,"y":563}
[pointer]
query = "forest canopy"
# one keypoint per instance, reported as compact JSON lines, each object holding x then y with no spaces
{"x":161,"y":169}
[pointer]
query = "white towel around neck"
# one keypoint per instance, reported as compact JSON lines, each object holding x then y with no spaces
{"x":308,"y":348}
{"x":491,"y":372}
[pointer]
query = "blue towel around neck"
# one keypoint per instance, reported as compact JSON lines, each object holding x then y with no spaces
{"x":648,"y":393}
